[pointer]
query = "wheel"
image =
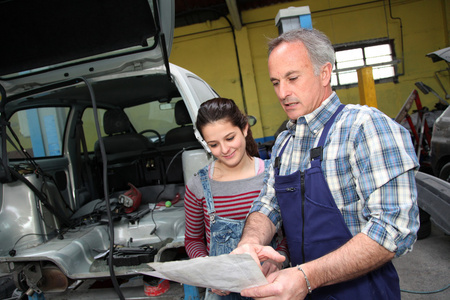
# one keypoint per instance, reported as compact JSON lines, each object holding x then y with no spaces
{"x":445,"y":172}
{"x":424,"y":230}
{"x":425,"y":225}
{"x":423,"y":215}
{"x":155,"y":132}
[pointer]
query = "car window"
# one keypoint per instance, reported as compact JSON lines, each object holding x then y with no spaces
{"x":147,"y":118}
{"x":152,"y":116}
{"x":90,"y":131}
{"x":39,"y":131}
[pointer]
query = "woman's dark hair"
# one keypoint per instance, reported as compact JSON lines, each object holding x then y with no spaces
{"x":217,"y":109}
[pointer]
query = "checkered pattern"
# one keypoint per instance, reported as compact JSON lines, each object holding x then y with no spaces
{"x":369,"y":164}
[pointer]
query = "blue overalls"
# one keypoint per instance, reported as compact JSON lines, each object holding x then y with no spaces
{"x":314,"y":226}
{"x":225,"y":233}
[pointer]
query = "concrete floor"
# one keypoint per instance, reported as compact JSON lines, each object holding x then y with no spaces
{"x":426,"y":268}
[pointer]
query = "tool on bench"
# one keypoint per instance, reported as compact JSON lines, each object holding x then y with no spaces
{"x":131,"y":199}
{"x":137,"y":215}
{"x":124,"y":256}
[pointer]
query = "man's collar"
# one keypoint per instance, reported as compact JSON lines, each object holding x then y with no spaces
{"x":317,"y":119}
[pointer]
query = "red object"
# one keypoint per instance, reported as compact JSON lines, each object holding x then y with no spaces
{"x":417,"y":132}
{"x":174,"y":200}
{"x":156,"y":288}
{"x":136,"y":196}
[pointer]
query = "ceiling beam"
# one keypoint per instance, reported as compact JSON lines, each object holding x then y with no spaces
{"x":234,"y":13}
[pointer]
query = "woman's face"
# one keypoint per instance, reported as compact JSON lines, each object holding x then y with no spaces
{"x":226,"y":141}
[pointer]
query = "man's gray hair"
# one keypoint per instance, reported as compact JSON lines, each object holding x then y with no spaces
{"x":318,"y":45}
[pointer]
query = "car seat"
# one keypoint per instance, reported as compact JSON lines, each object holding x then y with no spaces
{"x":123,"y":149}
{"x":120,"y":137}
{"x":185,"y":132}
{"x":176,"y":140}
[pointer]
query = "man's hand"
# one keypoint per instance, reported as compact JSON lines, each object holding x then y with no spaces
{"x":270,"y":266}
{"x":285,"y":284}
{"x":259,"y":253}
{"x":357,"y":257}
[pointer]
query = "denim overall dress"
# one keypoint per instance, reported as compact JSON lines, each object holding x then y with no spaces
{"x":314,"y":226}
{"x":225,"y":233}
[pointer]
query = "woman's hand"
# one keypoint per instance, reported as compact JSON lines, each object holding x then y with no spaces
{"x":220,"y":292}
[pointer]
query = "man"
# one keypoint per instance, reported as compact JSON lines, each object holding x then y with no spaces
{"x":342,"y":183}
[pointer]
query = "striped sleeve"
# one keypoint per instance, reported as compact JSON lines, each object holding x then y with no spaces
{"x":195,"y":229}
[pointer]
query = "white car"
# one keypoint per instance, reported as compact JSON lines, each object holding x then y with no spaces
{"x":97,"y":141}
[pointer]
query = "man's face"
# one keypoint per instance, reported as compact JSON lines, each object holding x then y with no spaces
{"x":299,"y":90}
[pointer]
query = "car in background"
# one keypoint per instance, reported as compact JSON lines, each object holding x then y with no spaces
{"x":434,"y":191}
{"x":97,"y":142}
{"x":440,"y":146}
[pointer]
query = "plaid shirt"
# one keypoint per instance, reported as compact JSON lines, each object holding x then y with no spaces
{"x":369,"y":164}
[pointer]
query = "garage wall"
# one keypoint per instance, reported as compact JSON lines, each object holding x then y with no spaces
{"x":235,"y":63}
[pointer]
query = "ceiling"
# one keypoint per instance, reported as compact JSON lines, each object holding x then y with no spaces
{"x":188,"y":12}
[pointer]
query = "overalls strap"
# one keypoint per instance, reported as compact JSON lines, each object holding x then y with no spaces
{"x":204,"y":179}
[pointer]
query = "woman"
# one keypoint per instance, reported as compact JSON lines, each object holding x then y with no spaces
{"x":219,"y":196}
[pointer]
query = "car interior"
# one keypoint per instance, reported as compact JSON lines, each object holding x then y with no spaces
{"x":143,"y":134}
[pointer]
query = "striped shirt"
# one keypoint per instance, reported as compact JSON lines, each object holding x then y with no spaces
{"x":369,"y":164}
{"x":232,"y":199}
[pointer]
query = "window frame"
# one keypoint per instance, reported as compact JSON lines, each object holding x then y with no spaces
{"x":50,"y":130}
{"x":362,"y":45}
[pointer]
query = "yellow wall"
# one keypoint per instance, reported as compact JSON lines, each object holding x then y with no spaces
{"x":209,"y":50}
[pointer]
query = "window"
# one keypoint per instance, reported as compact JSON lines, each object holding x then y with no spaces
{"x":379,"y":54}
{"x":89,"y":128}
{"x":39,"y":131}
{"x":153,"y":115}
{"x":148,"y":118}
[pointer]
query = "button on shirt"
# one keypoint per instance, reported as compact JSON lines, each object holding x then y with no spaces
{"x":369,"y":164}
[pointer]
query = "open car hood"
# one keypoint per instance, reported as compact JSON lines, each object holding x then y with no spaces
{"x":442,"y":54}
{"x":53,"y":40}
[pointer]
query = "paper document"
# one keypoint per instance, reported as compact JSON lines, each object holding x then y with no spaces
{"x":225,"y":272}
